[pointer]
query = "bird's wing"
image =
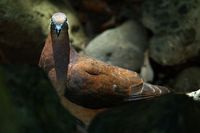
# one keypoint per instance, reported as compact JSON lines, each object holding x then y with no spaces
{"x":95,"y":84}
{"x":46,"y":61}
{"x":146,"y":91}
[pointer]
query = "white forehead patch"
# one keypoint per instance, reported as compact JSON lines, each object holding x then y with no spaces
{"x":59,"y":18}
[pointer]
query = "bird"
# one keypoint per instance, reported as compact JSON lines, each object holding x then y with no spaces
{"x":86,"y":85}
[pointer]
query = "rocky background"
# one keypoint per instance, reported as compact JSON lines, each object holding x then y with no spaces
{"x":160,"y":39}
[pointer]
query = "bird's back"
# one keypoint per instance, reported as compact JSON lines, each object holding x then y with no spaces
{"x":95,"y":84}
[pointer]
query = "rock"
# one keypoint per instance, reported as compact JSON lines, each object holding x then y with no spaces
{"x":175,"y":25}
{"x":188,"y":80}
{"x":168,"y":114}
{"x":195,"y":95}
{"x":146,"y":71}
{"x":173,"y":49}
{"x":24,"y":27}
{"x":122,"y":46}
{"x":30,"y":104}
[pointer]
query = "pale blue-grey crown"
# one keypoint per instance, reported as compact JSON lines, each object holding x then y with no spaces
{"x":58,"y":22}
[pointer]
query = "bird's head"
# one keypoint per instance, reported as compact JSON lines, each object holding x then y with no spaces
{"x":59,"y":22}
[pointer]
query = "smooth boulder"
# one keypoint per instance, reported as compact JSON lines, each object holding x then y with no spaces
{"x":121,"y":46}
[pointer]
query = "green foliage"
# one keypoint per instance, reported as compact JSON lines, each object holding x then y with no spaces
{"x":8,"y":123}
{"x":35,"y":103}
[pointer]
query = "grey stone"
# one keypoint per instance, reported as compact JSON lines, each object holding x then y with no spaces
{"x":146,"y":71}
{"x":122,"y":46}
{"x":25,"y":25}
{"x":195,"y":95}
{"x":175,"y":25}
{"x":188,"y":80}
{"x":173,"y":49}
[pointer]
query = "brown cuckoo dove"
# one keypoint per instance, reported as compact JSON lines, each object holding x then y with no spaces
{"x":87,"y":85}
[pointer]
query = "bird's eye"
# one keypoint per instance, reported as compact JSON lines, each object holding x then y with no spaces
{"x":52,"y":22}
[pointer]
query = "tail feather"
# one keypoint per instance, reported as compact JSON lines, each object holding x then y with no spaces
{"x":147,"y":91}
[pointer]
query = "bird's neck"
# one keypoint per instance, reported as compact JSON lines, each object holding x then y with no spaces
{"x":61,"y":53}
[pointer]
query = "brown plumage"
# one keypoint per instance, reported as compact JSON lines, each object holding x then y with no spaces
{"x":85,"y":83}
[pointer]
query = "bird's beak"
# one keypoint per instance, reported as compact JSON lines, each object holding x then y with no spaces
{"x":58,"y":32}
{"x":58,"y":29}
